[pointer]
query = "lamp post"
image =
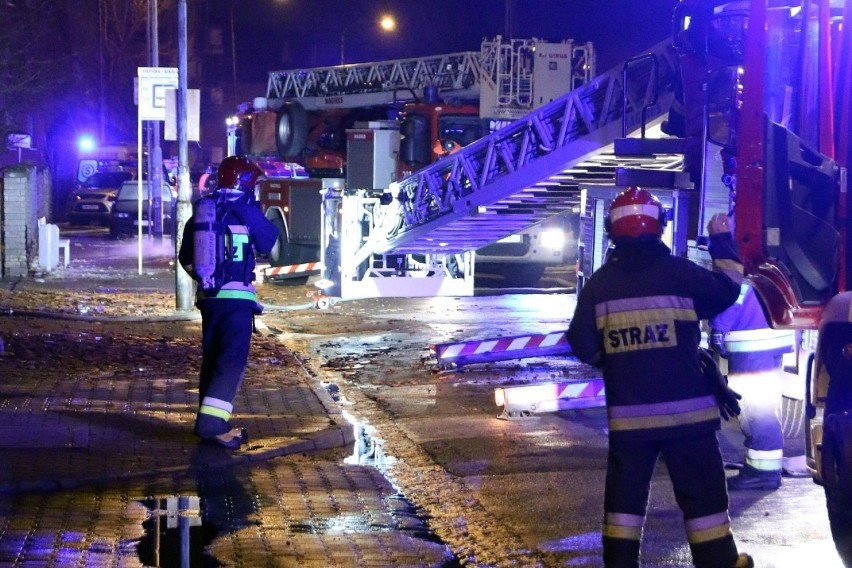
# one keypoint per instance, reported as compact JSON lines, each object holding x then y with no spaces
{"x":386,"y":23}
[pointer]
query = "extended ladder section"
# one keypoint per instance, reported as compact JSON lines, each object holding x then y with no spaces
{"x":456,"y":72}
{"x":528,"y":171}
{"x":504,"y":67}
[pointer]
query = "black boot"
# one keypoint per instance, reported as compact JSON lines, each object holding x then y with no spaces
{"x":230,"y":440}
{"x":751,"y":478}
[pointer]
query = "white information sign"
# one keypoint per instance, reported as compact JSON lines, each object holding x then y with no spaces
{"x":193,"y":104}
{"x":153,"y":84}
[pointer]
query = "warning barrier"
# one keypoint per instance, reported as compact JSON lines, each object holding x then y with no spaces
{"x":501,"y":349}
{"x":291,"y":271}
{"x":525,"y":400}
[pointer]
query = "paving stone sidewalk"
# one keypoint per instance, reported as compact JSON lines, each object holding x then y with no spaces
{"x":82,"y":403}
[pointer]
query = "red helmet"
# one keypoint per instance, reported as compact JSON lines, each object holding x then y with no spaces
{"x":238,"y":172}
{"x":635,"y":214}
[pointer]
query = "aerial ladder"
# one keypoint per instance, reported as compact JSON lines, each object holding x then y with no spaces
{"x":520,"y":175}
{"x":526,"y":172}
{"x":507,"y":78}
{"x":501,"y":67}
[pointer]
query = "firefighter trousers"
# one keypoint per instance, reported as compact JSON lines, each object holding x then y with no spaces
{"x":698,"y":478}
{"x":759,"y":420}
{"x":226,"y":328}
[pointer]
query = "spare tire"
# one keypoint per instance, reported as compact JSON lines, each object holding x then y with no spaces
{"x":291,"y":129}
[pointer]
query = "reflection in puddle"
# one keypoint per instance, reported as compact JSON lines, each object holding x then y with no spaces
{"x":174,"y":534}
{"x":368,"y":448}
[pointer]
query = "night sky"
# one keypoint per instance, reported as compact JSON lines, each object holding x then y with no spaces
{"x":288,"y":34}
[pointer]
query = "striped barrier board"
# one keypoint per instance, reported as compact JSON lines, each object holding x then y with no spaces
{"x":291,"y":270}
{"x":525,"y":400}
{"x":501,"y":349}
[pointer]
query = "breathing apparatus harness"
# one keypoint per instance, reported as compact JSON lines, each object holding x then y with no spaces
{"x":216,"y":248}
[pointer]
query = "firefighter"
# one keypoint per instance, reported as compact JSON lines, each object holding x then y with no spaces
{"x":228,"y":309}
{"x":637,"y":318}
{"x":742,"y":335}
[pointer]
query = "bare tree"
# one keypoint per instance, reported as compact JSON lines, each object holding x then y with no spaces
{"x":124,"y":46}
{"x":33,"y":67}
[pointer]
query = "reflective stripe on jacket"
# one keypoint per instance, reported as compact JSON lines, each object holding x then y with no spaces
{"x":637,"y":317}
{"x":750,"y":343}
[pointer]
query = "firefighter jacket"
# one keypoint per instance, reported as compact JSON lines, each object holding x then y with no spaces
{"x":637,"y":318}
{"x":246,"y":230}
{"x":747,"y":341}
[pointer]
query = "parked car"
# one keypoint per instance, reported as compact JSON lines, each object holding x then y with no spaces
{"x":124,"y":219}
{"x":92,"y":201}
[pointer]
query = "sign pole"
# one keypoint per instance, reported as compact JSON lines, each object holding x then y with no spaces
{"x":154,"y":82}
{"x":139,"y":191}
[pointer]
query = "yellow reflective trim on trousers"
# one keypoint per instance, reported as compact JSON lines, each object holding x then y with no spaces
{"x":213,"y":411}
{"x":664,"y":420}
{"x":764,"y":464}
{"x":623,"y":525}
{"x":628,"y":533}
{"x":708,"y":534}
{"x":642,"y":317}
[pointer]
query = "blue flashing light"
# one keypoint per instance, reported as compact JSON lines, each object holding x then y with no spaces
{"x":86,"y":143}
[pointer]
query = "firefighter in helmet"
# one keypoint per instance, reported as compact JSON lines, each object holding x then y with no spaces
{"x":228,"y":302}
{"x":637,"y":318}
{"x":742,"y":335}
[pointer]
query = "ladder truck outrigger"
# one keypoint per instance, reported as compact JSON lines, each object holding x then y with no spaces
{"x":362,"y":126}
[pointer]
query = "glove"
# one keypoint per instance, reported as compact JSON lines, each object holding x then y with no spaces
{"x":728,"y":400}
{"x":726,"y":397}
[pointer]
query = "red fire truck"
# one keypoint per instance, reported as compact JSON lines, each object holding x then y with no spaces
{"x":436,"y":103}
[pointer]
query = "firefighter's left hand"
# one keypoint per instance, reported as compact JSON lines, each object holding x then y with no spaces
{"x":728,"y":399}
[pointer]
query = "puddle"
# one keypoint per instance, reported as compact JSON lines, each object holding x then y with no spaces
{"x":368,"y":450}
{"x":175,"y":535}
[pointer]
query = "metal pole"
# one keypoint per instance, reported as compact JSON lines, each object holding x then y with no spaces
{"x":183,"y":210}
{"x":155,"y":152}
{"x":101,"y":92}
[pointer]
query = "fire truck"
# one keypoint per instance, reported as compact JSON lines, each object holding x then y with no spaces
{"x":304,"y":125}
{"x":747,"y":108}
{"x":760,"y":117}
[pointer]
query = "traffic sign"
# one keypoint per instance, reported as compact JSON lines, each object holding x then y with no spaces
{"x":154,"y":82}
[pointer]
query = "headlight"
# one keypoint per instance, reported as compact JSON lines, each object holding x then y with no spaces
{"x":552,"y":239}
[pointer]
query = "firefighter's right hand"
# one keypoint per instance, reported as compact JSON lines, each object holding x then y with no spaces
{"x":719,"y":223}
{"x":729,"y":402}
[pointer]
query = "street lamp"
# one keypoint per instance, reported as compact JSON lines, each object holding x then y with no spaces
{"x":386,"y":23}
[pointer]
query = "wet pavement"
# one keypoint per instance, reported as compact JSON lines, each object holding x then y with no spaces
{"x":99,"y":466}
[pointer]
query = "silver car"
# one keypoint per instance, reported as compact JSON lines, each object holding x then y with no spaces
{"x":92,"y":202}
